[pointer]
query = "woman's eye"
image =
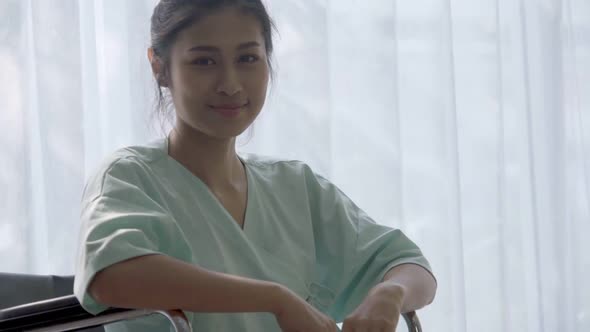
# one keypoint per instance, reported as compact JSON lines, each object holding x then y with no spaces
{"x":249,"y":58}
{"x":204,"y":62}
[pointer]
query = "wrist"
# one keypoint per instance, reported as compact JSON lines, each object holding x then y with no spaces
{"x":276,"y":295}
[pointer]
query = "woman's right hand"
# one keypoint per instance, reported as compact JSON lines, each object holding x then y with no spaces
{"x":293,"y":314}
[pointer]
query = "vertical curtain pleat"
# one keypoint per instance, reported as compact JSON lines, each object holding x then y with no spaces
{"x":532,"y":245}
{"x":13,"y":183}
{"x":91,"y":101}
{"x":505,"y":314}
{"x":397,"y":183}
{"x":576,"y":104}
{"x":54,"y":129}
{"x":37,"y":228}
{"x":453,"y":165}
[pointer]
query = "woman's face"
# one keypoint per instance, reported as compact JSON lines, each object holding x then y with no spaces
{"x":219,"y":73}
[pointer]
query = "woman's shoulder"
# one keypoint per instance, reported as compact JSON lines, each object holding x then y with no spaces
{"x":132,"y":156}
{"x":284,"y":168}
{"x":126,"y":164}
{"x":267,"y":163}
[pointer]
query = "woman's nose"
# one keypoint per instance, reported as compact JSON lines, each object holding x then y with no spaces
{"x":229,"y":82}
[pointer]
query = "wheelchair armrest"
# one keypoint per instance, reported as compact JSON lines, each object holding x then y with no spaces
{"x":66,"y":314}
{"x":412,"y":321}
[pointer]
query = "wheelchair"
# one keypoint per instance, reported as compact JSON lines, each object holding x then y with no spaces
{"x":46,"y":304}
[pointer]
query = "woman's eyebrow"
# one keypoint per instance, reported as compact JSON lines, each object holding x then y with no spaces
{"x":248,"y":45}
{"x":207,"y":48}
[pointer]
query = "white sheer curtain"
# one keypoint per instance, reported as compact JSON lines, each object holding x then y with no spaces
{"x":464,"y":123}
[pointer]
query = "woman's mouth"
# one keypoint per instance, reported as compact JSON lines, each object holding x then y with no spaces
{"x":228,"y":110}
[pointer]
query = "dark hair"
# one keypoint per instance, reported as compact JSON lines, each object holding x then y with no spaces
{"x":170,"y":17}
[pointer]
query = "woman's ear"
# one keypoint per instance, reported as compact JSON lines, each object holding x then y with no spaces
{"x":157,"y":68}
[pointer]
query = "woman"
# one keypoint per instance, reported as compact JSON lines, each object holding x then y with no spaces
{"x":240,"y":243}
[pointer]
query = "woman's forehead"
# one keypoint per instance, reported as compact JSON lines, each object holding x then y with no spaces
{"x":227,"y":28}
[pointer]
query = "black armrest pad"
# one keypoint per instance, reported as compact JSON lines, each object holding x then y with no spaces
{"x":46,"y":313}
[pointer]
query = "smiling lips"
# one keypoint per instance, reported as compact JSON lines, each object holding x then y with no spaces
{"x":228,"y":110}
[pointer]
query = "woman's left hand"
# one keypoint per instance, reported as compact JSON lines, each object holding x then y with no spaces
{"x":379,"y":311}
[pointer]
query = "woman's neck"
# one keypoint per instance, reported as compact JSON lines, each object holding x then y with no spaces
{"x":212,"y":160}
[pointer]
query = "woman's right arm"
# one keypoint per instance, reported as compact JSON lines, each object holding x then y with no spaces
{"x":161,"y":282}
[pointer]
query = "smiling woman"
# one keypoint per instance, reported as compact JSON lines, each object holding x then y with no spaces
{"x":241,"y":48}
{"x":220,"y":68}
{"x":185,"y":222}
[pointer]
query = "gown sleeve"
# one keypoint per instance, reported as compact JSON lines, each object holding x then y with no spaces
{"x":120,"y":220}
{"x":353,"y":252}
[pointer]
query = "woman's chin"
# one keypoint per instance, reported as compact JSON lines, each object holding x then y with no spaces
{"x":227,"y":132}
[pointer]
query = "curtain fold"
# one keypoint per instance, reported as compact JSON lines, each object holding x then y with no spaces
{"x":464,"y":123}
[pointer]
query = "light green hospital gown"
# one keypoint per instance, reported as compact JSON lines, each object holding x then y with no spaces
{"x":300,"y":231}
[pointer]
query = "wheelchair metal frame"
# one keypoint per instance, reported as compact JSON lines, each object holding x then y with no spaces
{"x":176,"y":317}
{"x":66,"y":314}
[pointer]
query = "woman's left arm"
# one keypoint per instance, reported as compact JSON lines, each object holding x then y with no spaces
{"x":415,"y":284}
